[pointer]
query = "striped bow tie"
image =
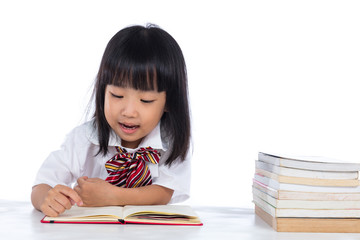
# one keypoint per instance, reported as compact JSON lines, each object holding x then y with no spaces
{"x":129,"y":169}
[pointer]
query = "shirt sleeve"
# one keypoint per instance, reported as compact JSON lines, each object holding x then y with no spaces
{"x":60,"y":166}
{"x":176,"y":177}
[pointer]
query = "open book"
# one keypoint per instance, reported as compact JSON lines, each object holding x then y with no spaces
{"x":151,"y":214}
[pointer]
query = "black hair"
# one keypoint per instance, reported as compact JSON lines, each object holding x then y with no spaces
{"x":146,"y":58}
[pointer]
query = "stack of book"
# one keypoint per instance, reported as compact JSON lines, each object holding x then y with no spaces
{"x":307,"y":194}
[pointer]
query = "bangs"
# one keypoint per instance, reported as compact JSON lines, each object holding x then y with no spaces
{"x":138,"y":58}
{"x":139,"y":77}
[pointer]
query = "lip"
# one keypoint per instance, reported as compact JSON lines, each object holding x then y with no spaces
{"x":128,"y":128}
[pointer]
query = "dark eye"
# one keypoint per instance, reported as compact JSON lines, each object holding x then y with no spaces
{"x":116,"y":96}
{"x":147,"y":101}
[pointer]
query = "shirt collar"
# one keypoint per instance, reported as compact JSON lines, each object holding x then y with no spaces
{"x":153,"y":139}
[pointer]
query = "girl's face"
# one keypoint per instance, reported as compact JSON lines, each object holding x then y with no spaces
{"x":133,"y":114}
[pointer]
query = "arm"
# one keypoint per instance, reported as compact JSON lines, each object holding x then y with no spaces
{"x":97,"y":192}
{"x":147,"y":195}
{"x":53,"y":201}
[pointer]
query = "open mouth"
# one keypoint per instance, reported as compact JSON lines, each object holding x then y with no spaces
{"x":130,"y":127}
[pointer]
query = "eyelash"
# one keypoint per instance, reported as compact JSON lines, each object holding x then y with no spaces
{"x":142,"y":100}
{"x":147,"y":101}
{"x":116,"y":96}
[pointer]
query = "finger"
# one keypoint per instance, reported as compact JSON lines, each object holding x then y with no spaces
{"x":77,"y":189}
{"x":48,"y":211}
{"x":81,"y":180}
{"x":55,"y":197}
{"x":60,"y":206}
{"x":63,"y":200}
{"x":84,"y":178}
{"x":72,"y":194}
{"x":90,"y":180}
{"x":51,"y":207}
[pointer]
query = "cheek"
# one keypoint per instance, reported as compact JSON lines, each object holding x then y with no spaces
{"x":107,"y":110}
{"x":157,"y":114}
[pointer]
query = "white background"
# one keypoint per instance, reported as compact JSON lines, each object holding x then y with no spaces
{"x":279,"y":76}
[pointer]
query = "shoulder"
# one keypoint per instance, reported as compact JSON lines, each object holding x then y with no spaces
{"x":82,"y":134}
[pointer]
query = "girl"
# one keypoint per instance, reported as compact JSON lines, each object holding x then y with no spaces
{"x":135,"y":150}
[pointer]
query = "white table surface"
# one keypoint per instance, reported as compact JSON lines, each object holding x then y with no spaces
{"x":18,"y":220}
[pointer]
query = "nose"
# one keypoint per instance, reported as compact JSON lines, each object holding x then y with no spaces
{"x":129,"y":109}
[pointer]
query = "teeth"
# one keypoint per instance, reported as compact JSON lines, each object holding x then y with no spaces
{"x":129,"y":127}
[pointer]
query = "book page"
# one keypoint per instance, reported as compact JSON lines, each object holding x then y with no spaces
{"x":159,"y":209}
{"x":161,"y":213}
{"x":82,"y":213}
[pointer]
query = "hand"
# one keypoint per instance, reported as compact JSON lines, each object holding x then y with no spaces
{"x":94,"y":191}
{"x":58,"y":199}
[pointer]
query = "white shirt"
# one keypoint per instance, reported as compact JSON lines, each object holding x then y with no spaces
{"x":76,"y":158}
